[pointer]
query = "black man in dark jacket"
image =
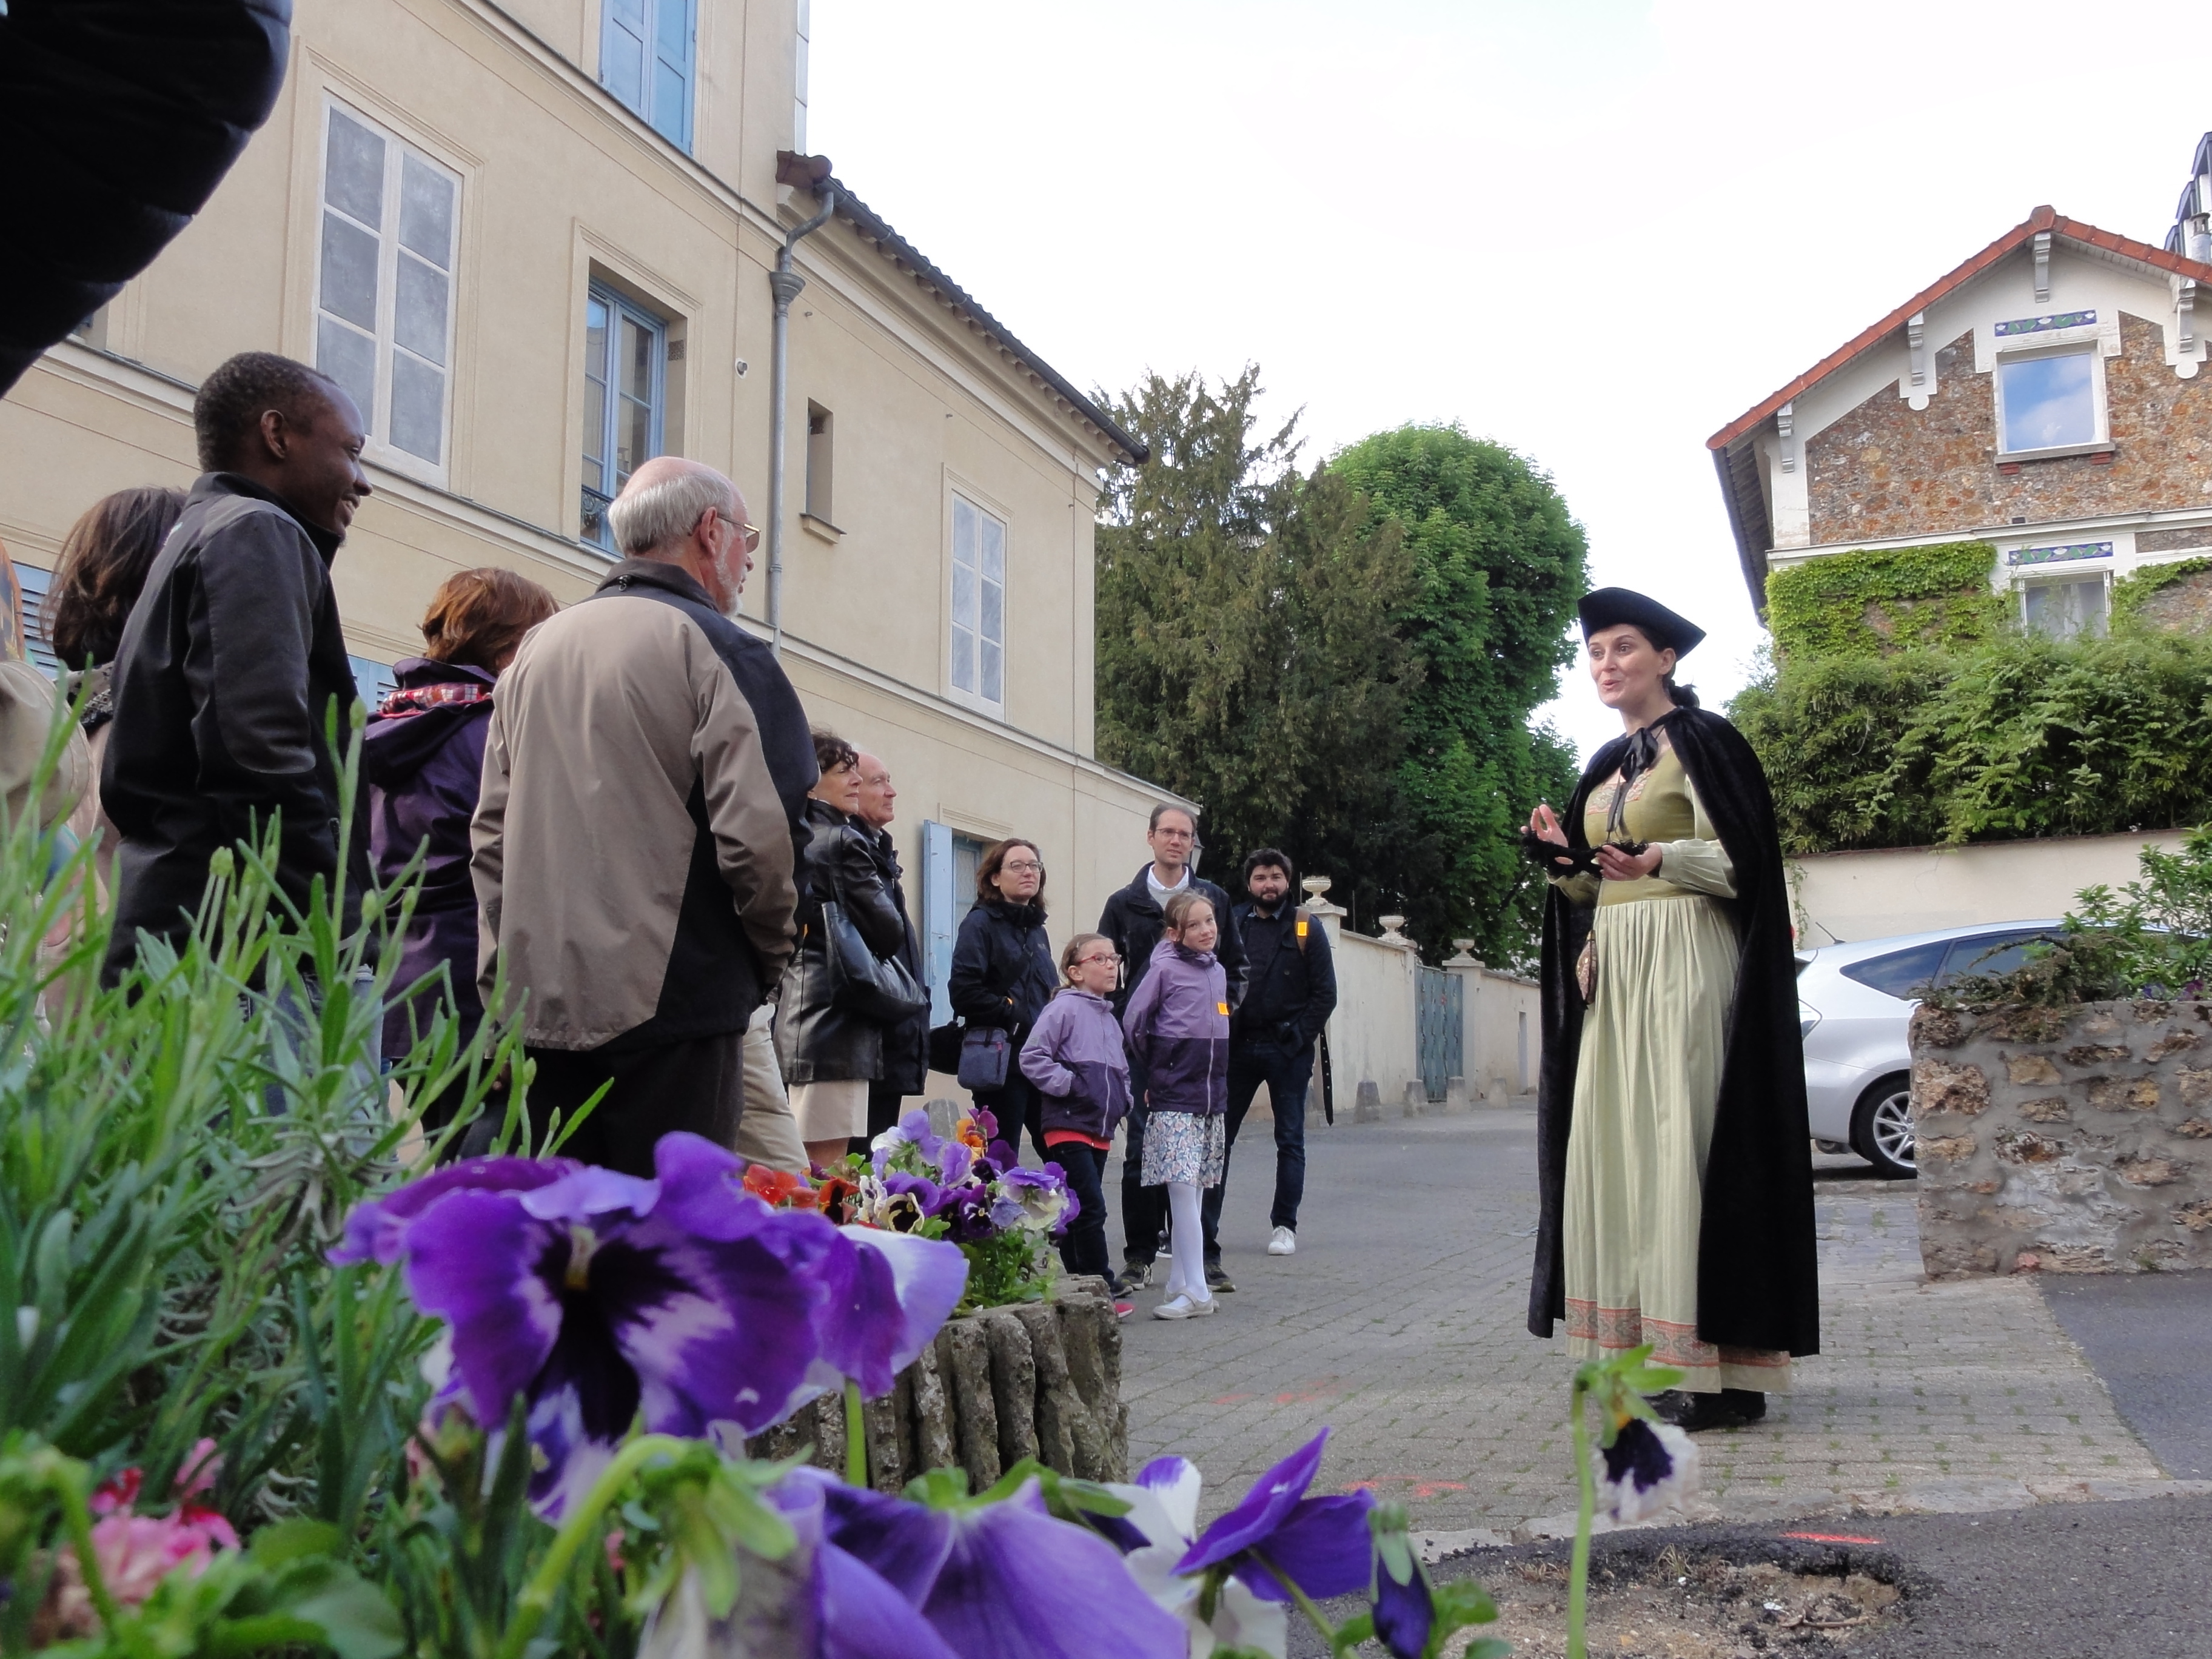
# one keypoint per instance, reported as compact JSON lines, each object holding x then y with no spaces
{"x":1270,"y":1040}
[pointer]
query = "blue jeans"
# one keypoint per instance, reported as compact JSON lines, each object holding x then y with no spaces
{"x":1286,"y":1072}
{"x":1083,"y":1246}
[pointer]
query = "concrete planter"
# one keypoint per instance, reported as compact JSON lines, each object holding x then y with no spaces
{"x":2068,"y":1139}
{"x":1040,"y":1380}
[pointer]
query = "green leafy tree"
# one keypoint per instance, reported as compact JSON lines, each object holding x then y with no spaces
{"x":1248,"y":656}
{"x":1497,"y":564}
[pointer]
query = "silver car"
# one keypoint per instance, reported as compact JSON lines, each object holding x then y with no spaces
{"x":1856,"y":1002}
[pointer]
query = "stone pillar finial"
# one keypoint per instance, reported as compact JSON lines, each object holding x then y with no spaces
{"x":1463,"y":955}
{"x":1317,"y":889}
{"x":1391,"y":926}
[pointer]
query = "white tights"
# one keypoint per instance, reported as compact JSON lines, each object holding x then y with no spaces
{"x":1186,"y":1260}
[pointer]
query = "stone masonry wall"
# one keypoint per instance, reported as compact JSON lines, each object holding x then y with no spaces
{"x":1040,"y":1379}
{"x":1886,"y":470}
{"x":2070,"y":1139}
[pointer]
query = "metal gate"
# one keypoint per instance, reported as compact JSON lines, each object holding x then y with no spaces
{"x":1439,"y":1028}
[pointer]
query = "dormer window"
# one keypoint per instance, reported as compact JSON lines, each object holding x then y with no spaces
{"x":2051,"y":400}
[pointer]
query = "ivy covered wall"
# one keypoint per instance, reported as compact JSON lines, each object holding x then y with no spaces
{"x":1875,"y":601}
{"x":1907,"y":708}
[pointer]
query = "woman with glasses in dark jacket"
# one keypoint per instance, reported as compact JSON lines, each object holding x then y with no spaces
{"x":1002,"y":974}
{"x":829,"y":1056}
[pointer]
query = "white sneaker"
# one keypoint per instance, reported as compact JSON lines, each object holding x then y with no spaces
{"x":1284,"y":1242}
{"x":1199,"y":1310}
{"x":1180,"y":1307}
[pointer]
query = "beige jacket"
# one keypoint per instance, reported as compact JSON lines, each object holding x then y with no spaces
{"x":632,"y":849}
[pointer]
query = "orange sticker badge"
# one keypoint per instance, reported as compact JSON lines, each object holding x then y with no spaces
{"x":1225,"y":1009}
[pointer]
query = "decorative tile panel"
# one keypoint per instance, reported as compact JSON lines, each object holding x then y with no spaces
{"x":2059,"y":555}
{"x":2045,"y":325}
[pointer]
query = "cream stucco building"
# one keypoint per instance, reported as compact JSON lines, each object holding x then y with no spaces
{"x":536,"y":239}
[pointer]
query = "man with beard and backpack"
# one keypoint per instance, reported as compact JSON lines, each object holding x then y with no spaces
{"x":1135,"y":920}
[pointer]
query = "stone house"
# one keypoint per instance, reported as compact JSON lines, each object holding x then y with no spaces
{"x":2046,"y":397}
{"x":535,"y":237}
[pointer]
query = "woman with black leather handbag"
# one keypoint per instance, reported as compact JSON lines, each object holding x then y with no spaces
{"x":844,"y":982}
{"x":1002,"y":976}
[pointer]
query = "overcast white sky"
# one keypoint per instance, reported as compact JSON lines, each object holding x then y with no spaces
{"x":1591,"y":229}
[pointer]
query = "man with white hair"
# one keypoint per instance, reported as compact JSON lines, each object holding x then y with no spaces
{"x":633,"y":845}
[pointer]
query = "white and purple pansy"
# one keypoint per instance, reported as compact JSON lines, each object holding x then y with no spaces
{"x":1648,"y":1467}
{"x":1323,"y":1544}
{"x":1156,"y":1533}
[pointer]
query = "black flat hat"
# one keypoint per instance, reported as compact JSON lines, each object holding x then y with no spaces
{"x":1609,"y":607}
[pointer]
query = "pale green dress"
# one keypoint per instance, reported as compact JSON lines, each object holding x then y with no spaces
{"x":1645,"y":1089}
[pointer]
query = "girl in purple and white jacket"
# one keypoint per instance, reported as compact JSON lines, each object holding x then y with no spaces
{"x":1177,"y":1023}
{"x":1074,"y":1056}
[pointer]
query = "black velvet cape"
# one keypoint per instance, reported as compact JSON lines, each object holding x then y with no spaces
{"x":1757,"y":1278}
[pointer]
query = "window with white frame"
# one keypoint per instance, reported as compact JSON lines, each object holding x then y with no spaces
{"x":384,"y":288}
{"x":2066,"y":609}
{"x":646,"y":60}
{"x":979,"y":604}
{"x":625,"y":400}
{"x":2050,"y":400}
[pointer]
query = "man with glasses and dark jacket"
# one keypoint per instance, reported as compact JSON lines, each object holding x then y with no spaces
{"x":1135,"y":921}
{"x":1287,"y":1002}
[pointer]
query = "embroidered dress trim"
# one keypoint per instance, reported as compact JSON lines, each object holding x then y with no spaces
{"x":1615,"y":1330}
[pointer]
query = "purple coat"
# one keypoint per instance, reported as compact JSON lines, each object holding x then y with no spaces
{"x":423,"y":756}
{"x":1178,"y":1024}
{"x":1074,"y":1056}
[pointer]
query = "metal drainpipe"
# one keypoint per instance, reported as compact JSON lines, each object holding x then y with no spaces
{"x":785,"y":283}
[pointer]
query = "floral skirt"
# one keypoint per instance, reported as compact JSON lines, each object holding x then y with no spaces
{"x":1184,"y":1146}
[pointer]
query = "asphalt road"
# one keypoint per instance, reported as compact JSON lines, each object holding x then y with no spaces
{"x":2149,"y":1336}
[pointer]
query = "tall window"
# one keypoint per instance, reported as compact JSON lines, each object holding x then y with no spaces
{"x":800,"y":47}
{"x":2048,"y":403}
{"x":979,"y":604}
{"x":645,"y":60}
{"x":625,"y":382}
{"x":821,"y":458}
{"x":383,"y":291}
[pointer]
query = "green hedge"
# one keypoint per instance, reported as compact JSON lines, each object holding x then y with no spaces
{"x":1873,"y":602}
{"x":2020,"y":736}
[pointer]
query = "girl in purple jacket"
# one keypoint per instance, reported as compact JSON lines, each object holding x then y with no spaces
{"x":1075,"y":1058}
{"x":1177,"y":1023}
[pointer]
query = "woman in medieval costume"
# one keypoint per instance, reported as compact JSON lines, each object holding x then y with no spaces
{"x":1673,"y":1147}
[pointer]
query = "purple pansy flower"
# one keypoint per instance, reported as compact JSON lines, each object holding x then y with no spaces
{"x":886,"y":1294}
{"x":598,"y":1296}
{"x":1405,"y":1606}
{"x":375,"y":1231}
{"x":1003,"y":1580}
{"x":1043,"y":1202}
{"x":1321,"y":1544}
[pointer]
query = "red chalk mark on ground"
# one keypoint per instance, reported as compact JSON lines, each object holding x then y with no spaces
{"x":1416,"y":1485}
{"x":1232,"y":1399}
{"x":1832,"y":1538}
{"x":1321,"y":1389}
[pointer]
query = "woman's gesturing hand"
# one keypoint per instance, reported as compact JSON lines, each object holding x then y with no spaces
{"x":1543,"y":824}
{"x":1614,"y":864}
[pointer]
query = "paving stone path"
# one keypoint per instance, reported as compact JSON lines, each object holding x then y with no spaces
{"x":1399,"y":1324}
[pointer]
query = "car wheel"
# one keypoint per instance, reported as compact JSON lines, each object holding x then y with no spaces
{"x":1882,"y":1127}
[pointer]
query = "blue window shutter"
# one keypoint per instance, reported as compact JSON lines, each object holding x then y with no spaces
{"x":940,"y":918}
{"x":33,"y":584}
{"x":623,"y":36}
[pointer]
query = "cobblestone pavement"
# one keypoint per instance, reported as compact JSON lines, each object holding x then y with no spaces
{"x":1399,"y":1324}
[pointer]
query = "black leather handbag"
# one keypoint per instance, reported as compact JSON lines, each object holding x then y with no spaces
{"x":880,"y":988}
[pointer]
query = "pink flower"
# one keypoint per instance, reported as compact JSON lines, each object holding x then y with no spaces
{"x":136,"y":1552}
